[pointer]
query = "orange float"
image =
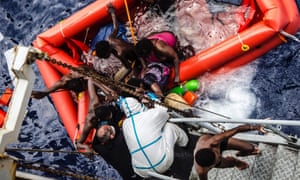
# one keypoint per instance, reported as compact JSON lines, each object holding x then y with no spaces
{"x":4,"y":101}
{"x":260,"y":33}
{"x":190,"y":97}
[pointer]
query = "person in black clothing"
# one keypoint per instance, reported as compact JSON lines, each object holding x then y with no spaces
{"x":111,"y":145}
{"x":108,"y":141}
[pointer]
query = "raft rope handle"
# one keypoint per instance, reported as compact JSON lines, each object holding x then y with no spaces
{"x":130,"y":22}
{"x":61,"y":29}
{"x":244,"y":47}
{"x":86,"y":34}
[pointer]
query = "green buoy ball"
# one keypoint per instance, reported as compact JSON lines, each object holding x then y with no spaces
{"x":178,"y":90}
{"x":192,"y":85}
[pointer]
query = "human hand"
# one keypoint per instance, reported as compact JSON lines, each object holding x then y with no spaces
{"x":83,"y":147}
{"x":38,"y":94}
{"x":176,"y":80}
{"x":113,"y":96}
{"x":259,"y":128}
{"x":111,"y":8}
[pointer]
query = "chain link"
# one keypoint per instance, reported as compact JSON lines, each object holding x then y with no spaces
{"x":116,"y":85}
{"x":62,"y":173}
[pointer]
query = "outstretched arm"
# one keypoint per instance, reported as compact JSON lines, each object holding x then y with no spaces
{"x":88,"y":126}
{"x":110,"y":93}
{"x":111,"y":10}
{"x":170,"y":52}
{"x":89,"y":123}
{"x":202,"y":172}
{"x":60,"y":84}
{"x":216,"y":139}
{"x":156,"y":89}
{"x":94,"y":99}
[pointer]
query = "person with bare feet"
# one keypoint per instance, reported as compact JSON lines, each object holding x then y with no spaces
{"x":209,"y":148}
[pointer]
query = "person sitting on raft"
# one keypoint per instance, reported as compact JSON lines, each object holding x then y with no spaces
{"x":209,"y":148}
{"x":149,"y":137}
{"x":117,"y":46}
{"x":155,"y":77}
{"x":162,"y":47}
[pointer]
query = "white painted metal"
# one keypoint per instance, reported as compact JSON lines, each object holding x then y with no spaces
{"x":24,"y":77}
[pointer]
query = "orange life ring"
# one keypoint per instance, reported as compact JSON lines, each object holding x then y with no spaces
{"x":2,"y":117}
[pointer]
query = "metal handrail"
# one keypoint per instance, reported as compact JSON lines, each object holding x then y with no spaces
{"x":237,"y":120}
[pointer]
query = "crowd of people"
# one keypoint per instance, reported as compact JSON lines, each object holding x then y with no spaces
{"x":133,"y":135}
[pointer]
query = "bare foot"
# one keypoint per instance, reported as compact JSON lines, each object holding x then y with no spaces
{"x":241,"y":165}
{"x":256,"y":151}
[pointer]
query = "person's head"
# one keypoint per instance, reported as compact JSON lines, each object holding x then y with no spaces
{"x":205,"y":157}
{"x":103,"y":49}
{"x":105,"y":133}
{"x":103,"y":113}
{"x":144,"y":48}
{"x":136,"y":84}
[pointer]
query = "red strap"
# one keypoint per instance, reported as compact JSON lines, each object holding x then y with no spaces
{"x":2,"y":117}
{"x":5,"y":97}
{"x":77,"y":47}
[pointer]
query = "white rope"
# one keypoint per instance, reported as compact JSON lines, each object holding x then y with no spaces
{"x":286,"y":34}
{"x":61,"y":29}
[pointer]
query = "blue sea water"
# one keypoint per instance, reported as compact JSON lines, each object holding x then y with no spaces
{"x":276,"y":85}
{"x":20,"y":22}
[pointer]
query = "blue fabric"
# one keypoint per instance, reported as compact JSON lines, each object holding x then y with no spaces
{"x":105,"y":31}
{"x":234,"y":2}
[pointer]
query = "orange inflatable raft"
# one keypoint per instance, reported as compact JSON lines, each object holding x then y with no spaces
{"x":261,"y":32}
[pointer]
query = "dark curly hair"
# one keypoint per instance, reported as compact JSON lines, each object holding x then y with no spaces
{"x":144,"y":47}
{"x":205,"y":157}
{"x":103,"y":112}
{"x":103,"y":49}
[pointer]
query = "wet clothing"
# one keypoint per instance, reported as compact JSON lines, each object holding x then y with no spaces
{"x":107,"y":67}
{"x":117,"y":115}
{"x":149,"y":137}
{"x":105,"y":31}
{"x":76,"y":84}
{"x":115,"y":152}
{"x":223,"y":145}
{"x":157,"y":72}
{"x":168,"y":37}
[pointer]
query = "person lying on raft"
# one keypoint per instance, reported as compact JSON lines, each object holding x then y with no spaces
{"x":100,"y":112}
{"x":117,"y":46}
{"x":162,"y":47}
{"x":209,"y":148}
{"x":149,"y":137}
{"x":109,"y":141}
